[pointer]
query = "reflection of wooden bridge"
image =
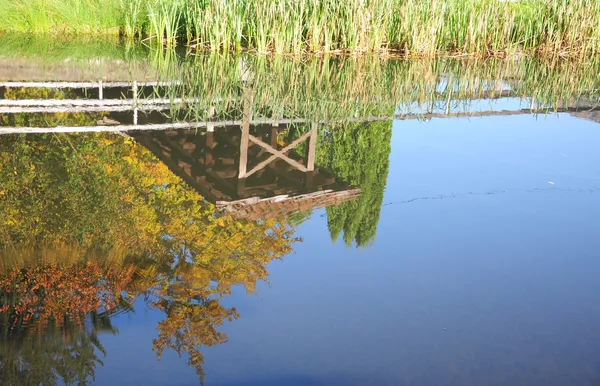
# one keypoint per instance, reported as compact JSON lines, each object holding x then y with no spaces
{"x":249,"y":167}
{"x":249,"y":172}
{"x":101,"y":97}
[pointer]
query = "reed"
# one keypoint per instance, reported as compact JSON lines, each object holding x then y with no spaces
{"x":405,"y":27}
{"x":331,"y":88}
{"x":73,"y":17}
{"x":338,"y":88}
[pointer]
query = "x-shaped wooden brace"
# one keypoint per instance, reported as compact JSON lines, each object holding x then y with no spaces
{"x":278,"y":154}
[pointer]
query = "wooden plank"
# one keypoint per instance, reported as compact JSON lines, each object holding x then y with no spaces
{"x":77,"y":109}
{"x":211,"y":113}
{"x":226,"y":161}
{"x":225,"y":173}
{"x":159,"y":126}
{"x":192,"y":125}
{"x":131,"y":102}
{"x":212,"y":192}
{"x":82,"y":84}
{"x":274,"y":132}
{"x":309,"y":182}
{"x":189,"y":146}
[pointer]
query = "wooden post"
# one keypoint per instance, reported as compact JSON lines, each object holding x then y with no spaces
{"x":208,"y":156}
{"x":100,"y":90}
{"x":312,"y":145}
{"x":135,"y":97}
{"x":241,"y":188}
{"x":210,"y":127}
{"x":244,"y":139}
{"x":134,"y":89}
{"x":244,"y":150}
{"x":274,"y":132}
{"x":308,"y":182}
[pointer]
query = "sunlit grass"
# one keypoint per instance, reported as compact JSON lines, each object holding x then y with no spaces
{"x":406,"y":27}
{"x":74,"y":17}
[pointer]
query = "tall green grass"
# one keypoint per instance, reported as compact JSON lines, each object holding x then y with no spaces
{"x":75,"y":17}
{"x":419,"y":27}
{"x":407,"y":27}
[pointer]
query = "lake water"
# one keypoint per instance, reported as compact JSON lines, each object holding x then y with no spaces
{"x":444,"y":240}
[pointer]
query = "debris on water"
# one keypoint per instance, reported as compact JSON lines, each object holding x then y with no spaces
{"x":551,"y":183}
{"x":106,"y":121}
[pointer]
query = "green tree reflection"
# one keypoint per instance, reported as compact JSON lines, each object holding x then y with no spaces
{"x":358,"y":154}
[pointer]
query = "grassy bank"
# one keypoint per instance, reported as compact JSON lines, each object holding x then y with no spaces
{"x":414,"y":27}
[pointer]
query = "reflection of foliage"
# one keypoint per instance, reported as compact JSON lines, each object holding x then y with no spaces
{"x":67,"y":355}
{"x":45,"y":119}
{"x":106,"y":191}
{"x":107,"y":194}
{"x":76,"y":50}
{"x":192,"y":324}
{"x":53,"y":292}
{"x":358,"y":154}
{"x":53,"y":302}
{"x":298,"y":218}
{"x":58,"y":188}
{"x":192,"y":315}
{"x":36,"y":93}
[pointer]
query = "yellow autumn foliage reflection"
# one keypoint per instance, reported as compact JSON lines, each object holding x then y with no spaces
{"x":88,"y":223}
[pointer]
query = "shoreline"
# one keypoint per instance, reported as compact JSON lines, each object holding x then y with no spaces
{"x":395,"y":28}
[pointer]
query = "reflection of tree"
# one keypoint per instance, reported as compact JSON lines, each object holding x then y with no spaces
{"x":105,"y":196}
{"x":192,"y":311}
{"x":358,"y":154}
{"x":67,"y":355}
{"x":59,"y":291}
{"x":53,"y":302}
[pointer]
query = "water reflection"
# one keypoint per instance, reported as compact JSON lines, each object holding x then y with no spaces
{"x":55,"y":302}
{"x":242,"y":150}
{"x":263,"y":171}
{"x":256,"y":172}
{"x":360,"y":155}
{"x":90,"y":222}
